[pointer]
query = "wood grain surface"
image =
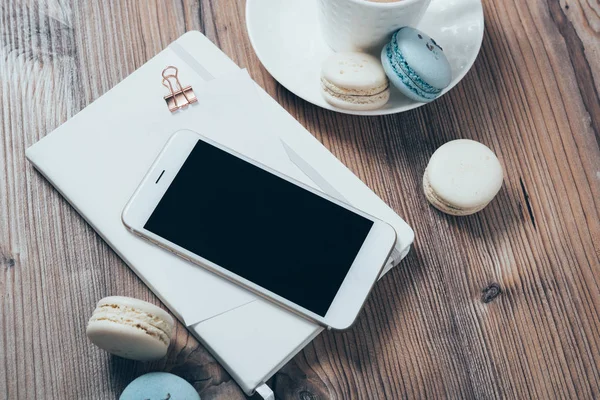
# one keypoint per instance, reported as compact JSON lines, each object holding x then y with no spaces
{"x":502,"y":304}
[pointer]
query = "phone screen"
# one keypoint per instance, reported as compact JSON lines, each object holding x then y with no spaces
{"x":259,"y":226}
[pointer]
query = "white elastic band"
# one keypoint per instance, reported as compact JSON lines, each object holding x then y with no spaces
{"x":265,"y":392}
{"x":191,"y":61}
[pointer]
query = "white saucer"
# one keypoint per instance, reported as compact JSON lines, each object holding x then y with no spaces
{"x":286,"y":38}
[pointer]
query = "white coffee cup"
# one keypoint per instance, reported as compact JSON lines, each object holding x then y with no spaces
{"x":362,"y":25}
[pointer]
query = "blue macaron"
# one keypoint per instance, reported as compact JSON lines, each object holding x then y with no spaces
{"x":159,"y":386}
{"x":416,"y":65}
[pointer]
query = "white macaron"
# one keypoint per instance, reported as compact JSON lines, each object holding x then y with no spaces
{"x":130,"y":328}
{"x":462,"y":177}
{"x":354,"y":81}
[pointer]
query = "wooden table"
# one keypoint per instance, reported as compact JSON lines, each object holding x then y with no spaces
{"x":505,"y":303}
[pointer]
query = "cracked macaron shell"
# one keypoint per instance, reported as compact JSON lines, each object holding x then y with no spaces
{"x":416,"y":65}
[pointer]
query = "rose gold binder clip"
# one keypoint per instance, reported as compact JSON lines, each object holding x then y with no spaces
{"x":180,"y":96}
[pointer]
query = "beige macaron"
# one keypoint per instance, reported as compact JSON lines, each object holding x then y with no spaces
{"x":354,"y":81}
{"x":462,"y":177}
{"x":130,"y":328}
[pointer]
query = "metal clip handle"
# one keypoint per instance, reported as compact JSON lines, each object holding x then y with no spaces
{"x":180,"y":96}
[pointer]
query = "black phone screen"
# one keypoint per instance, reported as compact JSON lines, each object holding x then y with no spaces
{"x":259,"y":226}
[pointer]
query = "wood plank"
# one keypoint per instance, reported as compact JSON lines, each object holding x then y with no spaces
{"x":505,"y":303}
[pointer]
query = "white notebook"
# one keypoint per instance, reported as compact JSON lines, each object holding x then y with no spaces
{"x":98,"y":157}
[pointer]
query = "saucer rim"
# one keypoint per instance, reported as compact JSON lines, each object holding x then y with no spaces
{"x":396,"y":110}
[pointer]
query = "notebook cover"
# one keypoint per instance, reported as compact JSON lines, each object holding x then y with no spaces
{"x":250,"y":337}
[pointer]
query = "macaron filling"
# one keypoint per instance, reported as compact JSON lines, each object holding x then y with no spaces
{"x":356,"y":96}
{"x":128,"y":316}
{"x":405,"y":72}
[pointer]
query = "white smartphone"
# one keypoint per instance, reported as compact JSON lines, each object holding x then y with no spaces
{"x":275,"y":236}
